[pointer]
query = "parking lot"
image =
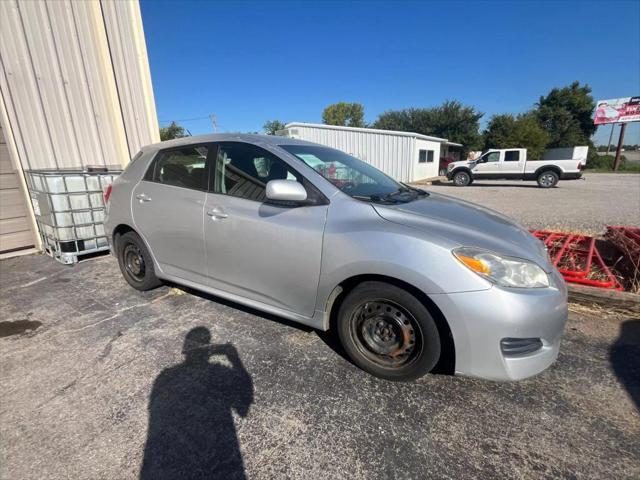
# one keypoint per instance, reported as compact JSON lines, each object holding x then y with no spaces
{"x":587,"y":205}
{"x":94,"y":382}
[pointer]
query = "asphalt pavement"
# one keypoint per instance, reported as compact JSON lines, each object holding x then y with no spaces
{"x":101,"y":381}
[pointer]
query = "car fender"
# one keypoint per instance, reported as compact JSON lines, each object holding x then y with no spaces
{"x":360,"y":242}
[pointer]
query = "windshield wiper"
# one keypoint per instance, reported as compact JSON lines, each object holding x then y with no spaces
{"x":390,"y":197}
{"x":403,"y":190}
{"x":415,"y":189}
{"x":374,"y":198}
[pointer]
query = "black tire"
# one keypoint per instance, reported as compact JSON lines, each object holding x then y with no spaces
{"x":136,"y":263}
{"x":462,"y":179}
{"x":388,"y":332}
{"x":548,"y":179}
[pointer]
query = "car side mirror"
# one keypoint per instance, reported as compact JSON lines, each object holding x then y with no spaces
{"x":286,"y":191}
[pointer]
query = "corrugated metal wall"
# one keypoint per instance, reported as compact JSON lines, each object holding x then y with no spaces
{"x":15,"y":225}
{"x":393,"y":154}
{"x":75,"y":82}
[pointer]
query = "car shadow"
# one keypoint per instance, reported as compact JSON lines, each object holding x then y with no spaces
{"x":191,"y":434}
{"x":446,"y":365}
{"x":624,"y":356}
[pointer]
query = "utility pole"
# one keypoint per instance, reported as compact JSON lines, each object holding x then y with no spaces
{"x":214,"y":122}
{"x":616,"y":162}
{"x":613,"y":125}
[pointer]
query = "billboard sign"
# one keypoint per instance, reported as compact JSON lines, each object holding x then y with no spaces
{"x":617,"y":110}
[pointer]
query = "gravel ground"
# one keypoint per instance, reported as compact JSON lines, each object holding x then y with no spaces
{"x":583,"y":206}
{"x":98,"y":387}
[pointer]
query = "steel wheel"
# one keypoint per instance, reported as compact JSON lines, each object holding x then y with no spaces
{"x":386,"y":334}
{"x":134,"y":262}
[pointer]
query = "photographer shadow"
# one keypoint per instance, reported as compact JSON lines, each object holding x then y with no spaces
{"x":191,"y":432}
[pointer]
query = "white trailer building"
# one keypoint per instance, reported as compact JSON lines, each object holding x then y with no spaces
{"x":405,"y":156}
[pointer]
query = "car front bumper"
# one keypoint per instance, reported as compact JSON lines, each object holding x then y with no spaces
{"x":480,"y":320}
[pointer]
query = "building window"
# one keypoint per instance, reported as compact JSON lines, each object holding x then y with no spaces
{"x":425,"y":156}
{"x":512,"y":156}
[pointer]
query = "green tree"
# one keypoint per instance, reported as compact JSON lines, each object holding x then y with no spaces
{"x":522,"y":131}
{"x":172,"y":131}
{"x":452,"y":120}
{"x":270,"y":127}
{"x":567,"y":115}
{"x":344,"y":114}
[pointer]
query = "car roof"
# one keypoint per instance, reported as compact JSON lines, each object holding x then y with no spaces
{"x":226,"y":137}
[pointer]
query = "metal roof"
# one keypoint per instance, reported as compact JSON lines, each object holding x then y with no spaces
{"x":371,"y":130}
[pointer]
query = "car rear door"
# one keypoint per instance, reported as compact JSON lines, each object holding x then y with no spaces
{"x":168,"y":210}
{"x":255,"y":249}
{"x":512,"y":164}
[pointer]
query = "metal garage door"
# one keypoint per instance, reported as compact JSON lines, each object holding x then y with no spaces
{"x":15,"y":225}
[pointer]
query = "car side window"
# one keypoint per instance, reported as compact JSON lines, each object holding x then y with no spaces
{"x":512,"y":156}
{"x":243,"y":170}
{"x":181,"y":167}
{"x":492,"y":157}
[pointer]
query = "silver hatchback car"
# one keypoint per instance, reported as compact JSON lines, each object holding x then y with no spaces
{"x":409,"y":280}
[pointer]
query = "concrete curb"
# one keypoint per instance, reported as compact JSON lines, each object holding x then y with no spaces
{"x":430,"y":181}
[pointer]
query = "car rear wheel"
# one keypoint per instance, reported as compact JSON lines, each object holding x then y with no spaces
{"x":461,"y":179}
{"x":388,"y":332}
{"x":548,"y":179}
{"x":136,"y":263}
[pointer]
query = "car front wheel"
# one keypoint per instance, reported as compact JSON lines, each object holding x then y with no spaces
{"x":136,"y":263}
{"x":388,"y":332}
{"x":461,"y":179}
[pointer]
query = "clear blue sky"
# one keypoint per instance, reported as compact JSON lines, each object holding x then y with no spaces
{"x":249,"y":62}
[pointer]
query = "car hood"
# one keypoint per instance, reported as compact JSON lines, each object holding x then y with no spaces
{"x":466,"y":224}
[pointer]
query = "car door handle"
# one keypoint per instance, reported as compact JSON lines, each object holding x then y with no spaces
{"x":143,"y":197}
{"x":217,"y":213}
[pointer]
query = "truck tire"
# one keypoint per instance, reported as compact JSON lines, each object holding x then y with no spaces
{"x":548,"y":179}
{"x":462,"y":179}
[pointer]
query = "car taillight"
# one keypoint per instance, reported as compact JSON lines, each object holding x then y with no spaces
{"x":580,"y":166}
{"x":107,"y":193}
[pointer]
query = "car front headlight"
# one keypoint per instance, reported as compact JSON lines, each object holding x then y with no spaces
{"x":503,"y":271}
{"x":450,"y":166}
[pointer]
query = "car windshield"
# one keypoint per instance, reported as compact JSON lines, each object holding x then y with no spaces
{"x":354,"y":177}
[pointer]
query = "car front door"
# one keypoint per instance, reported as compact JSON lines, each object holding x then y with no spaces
{"x":488,"y":166}
{"x":259,"y":250}
{"x":168,"y":210}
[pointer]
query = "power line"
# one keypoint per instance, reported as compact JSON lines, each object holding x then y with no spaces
{"x":184,"y":119}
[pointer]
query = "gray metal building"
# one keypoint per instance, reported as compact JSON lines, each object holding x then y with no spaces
{"x":75,"y":91}
{"x":405,"y":156}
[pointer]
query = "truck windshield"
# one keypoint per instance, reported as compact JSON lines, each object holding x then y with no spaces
{"x":354,"y":177}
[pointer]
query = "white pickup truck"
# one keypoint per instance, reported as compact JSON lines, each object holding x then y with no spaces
{"x":512,"y":164}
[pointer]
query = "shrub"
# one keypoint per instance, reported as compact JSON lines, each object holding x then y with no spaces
{"x":605,"y":162}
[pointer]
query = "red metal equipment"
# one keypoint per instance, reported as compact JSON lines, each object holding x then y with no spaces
{"x":578,"y":260}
